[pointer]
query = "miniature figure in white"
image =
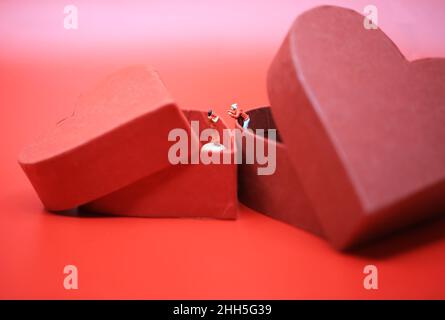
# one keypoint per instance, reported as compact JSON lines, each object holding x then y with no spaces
{"x":236,"y":114}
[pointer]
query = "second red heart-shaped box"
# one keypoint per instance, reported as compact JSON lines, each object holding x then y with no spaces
{"x":361,"y":132}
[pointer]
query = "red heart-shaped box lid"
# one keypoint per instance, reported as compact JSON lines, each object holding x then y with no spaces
{"x":364,"y":127}
{"x":117,"y":135}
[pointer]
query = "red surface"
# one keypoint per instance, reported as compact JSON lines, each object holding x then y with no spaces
{"x":364,"y":127}
{"x":209,"y":55}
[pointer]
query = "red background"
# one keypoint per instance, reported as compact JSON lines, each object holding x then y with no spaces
{"x":210,"y":54}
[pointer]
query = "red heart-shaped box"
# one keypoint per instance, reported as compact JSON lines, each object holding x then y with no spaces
{"x":279,"y":195}
{"x":183,"y":190}
{"x":363,"y":127}
{"x":111,"y":155}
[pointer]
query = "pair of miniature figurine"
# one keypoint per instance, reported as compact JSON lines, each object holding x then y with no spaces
{"x":234,"y":112}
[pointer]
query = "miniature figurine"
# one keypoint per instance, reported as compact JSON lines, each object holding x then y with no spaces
{"x":214,"y":144}
{"x":213,"y":117}
{"x":236,"y":113}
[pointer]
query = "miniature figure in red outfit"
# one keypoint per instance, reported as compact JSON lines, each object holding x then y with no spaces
{"x":213,"y":118}
{"x":214,"y":144}
{"x":236,"y":113}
